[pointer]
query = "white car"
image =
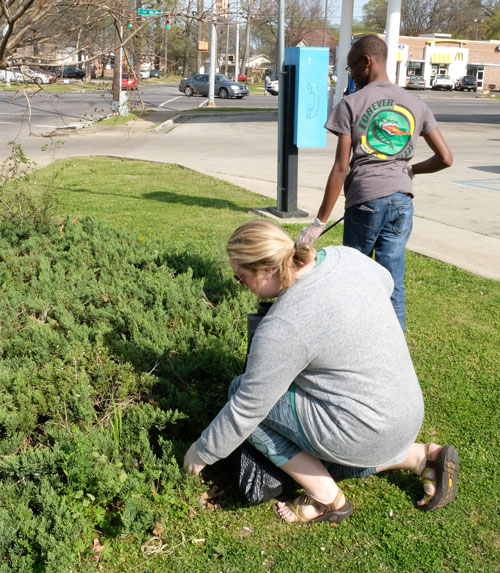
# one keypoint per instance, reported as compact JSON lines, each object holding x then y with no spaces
{"x":442,"y":82}
{"x":144,"y":74}
{"x":24,"y":75}
{"x":273,"y":87}
{"x":11,"y":76}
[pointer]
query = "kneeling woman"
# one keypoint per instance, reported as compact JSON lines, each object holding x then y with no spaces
{"x":328,"y":379}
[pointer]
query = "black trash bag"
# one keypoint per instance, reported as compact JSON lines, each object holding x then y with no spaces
{"x":259,"y":479}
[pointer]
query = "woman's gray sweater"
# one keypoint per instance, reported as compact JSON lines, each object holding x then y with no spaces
{"x":335,"y":334}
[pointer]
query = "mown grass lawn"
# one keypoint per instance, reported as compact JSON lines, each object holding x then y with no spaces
{"x":454,"y":336}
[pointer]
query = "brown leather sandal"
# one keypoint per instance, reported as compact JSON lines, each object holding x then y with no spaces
{"x":446,"y":466}
{"x":329,"y":512}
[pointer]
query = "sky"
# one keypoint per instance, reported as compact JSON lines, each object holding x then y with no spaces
{"x":337,"y":4}
{"x":358,"y":5}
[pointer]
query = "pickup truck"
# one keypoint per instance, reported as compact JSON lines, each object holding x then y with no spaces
{"x":442,"y":82}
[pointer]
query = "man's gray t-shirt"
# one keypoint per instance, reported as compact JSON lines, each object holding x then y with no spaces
{"x":384,"y":122}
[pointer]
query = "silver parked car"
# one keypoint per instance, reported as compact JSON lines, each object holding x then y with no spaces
{"x":416,"y":83}
{"x":197,"y":84}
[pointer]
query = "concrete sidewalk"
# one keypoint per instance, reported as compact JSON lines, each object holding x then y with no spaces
{"x":457,"y":211}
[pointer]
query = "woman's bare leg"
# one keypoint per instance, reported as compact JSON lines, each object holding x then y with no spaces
{"x":312,"y":475}
{"x":416,"y":462}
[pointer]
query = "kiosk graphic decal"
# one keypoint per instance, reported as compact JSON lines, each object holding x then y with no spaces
{"x":388,"y":129}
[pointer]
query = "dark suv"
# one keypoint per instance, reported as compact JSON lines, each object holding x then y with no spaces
{"x":468,"y":83}
{"x":70,"y":72}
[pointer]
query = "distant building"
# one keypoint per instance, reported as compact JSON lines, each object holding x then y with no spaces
{"x":441,"y":54}
{"x":258,"y":61}
{"x":317,"y":38}
{"x":46,"y":54}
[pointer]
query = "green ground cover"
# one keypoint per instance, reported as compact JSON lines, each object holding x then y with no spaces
{"x":121,"y":330}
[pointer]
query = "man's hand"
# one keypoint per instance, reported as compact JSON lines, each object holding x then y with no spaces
{"x":193,"y":464}
{"x":311,"y":233}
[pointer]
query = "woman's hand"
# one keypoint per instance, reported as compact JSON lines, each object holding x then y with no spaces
{"x":193,"y":464}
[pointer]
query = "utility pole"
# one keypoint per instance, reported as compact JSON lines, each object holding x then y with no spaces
{"x":227,"y":49}
{"x":325,"y":23}
{"x":213,"y":56}
{"x":201,"y":7}
{"x":117,"y":69}
{"x":166,"y":50}
{"x":237,"y":43}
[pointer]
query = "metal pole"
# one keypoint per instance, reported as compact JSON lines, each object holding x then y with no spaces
{"x":393,"y":20}
{"x":227,"y":50}
{"x":281,"y":100}
{"x":345,"y":38}
{"x":121,"y":60}
{"x":166,"y":50}
{"x":117,"y":76}
{"x":237,"y":43}
{"x":198,"y":53}
{"x":324,"y":23}
{"x":213,"y":55}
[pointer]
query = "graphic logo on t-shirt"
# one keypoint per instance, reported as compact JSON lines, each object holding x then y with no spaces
{"x":389,"y":128}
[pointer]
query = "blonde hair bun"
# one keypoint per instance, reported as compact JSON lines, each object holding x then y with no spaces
{"x":263,"y":244}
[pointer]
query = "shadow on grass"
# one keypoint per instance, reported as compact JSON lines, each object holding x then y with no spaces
{"x":173,"y":198}
{"x":193,"y":200}
{"x":406,"y":482}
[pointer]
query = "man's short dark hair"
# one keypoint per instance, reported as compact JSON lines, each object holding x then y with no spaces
{"x":371,"y":45}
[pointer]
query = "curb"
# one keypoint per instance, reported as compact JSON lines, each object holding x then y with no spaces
{"x":182,"y":117}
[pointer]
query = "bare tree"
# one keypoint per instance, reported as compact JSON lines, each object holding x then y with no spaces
{"x":22,"y":22}
{"x":455,"y":17}
{"x":300,"y":15}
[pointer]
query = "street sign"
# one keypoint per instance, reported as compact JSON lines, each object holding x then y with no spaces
{"x":148,"y":12}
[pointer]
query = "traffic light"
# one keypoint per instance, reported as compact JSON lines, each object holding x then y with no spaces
{"x":130,"y":20}
{"x":167,"y":24}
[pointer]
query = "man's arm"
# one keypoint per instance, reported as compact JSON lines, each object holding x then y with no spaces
{"x":336,"y":178}
{"x":442,"y":157}
{"x":333,"y":187}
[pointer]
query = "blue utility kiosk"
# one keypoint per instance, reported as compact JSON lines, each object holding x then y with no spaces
{"x":305,"y":81}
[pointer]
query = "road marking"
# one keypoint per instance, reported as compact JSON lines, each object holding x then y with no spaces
{"x":489,"y":184}
{"x":8,"y":122}
{"x":170,"y":100}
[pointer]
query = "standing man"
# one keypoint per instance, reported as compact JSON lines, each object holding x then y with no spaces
{"x":379,"y":125}
{"x":267,"y":83}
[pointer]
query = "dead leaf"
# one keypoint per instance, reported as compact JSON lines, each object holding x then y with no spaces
{"x":207,"y":498}
{"x":158,"y":530}
{"x":97,"y":548}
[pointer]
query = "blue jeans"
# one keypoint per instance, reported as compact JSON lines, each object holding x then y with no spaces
{"x":384,"y":226}
{"x":280,"y":437}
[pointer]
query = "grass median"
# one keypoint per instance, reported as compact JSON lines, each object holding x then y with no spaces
{"x":183,"y":219}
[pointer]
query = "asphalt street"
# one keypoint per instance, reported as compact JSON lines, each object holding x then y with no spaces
{"x":35,"y":111}
{"x":457,"y":211}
